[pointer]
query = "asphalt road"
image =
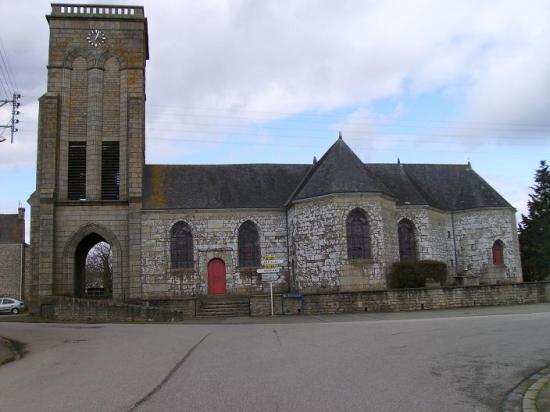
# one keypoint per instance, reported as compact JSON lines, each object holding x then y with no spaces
{"x":456,"y":360}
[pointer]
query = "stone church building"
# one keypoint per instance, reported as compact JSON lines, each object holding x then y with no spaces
{"x":181,"y":230}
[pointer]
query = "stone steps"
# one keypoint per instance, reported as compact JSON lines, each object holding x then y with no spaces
{"x":223,"y":307}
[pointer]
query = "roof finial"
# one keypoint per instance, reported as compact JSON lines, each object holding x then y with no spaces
{"x":314,"y":160}
{"x":340,"y":135}
{"x":398,"y":161}
{"x":469,"y":164}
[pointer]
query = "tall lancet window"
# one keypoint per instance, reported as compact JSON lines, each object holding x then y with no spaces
{"x":181,"y":246}
{"x":249,"y":245}
{"x":407,"y":242}
{"x":358,"y":237}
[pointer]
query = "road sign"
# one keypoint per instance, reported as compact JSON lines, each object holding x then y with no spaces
{"x":270,"y":277}
{"x":269,"y":270}
{"x":266,"y":262}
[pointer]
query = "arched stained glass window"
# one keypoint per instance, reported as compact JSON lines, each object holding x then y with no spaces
{"x":357,"y":230}
{"x":249,"y":245}
{"x":498,"y":253}
{"x":181,"y":246}
{"x":407,"y":242}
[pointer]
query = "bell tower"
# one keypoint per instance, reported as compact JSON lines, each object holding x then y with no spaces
{"x":91,"y":145}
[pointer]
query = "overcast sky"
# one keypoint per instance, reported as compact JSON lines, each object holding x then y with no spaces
{"x":274,"y":81}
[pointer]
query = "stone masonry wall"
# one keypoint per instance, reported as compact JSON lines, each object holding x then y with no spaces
{"x":215,"y":235}
{"x":476,"y":231}
{"x":407,"y":299}
{"x":462,"y":240}
{"x":88,"y":310}
{"x":10,"y":269}
{"x":432,"y":234}
{"x":317,"y":230}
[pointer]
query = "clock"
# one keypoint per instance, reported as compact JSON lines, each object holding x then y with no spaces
{"x":96,"y":37}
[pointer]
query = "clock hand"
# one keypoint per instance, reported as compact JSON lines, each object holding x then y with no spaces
{"x":96,"y":36}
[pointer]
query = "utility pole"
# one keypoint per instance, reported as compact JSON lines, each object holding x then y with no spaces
{"x":14,"y":113}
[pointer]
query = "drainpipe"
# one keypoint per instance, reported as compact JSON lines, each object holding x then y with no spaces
{"x":290,"y":274}
{"x":21,"y":222}
{"x":21,"y":266}
{"x":454,"y":240}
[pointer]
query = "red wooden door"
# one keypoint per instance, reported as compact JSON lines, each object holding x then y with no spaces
{"x":216,"y":277}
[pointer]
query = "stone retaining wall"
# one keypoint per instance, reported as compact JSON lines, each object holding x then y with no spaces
{"x":406,"y":299}
{"x":88,"y":310}
{"x":171,"y":310}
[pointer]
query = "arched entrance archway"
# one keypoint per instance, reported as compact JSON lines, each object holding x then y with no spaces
{"x":93,"y":270}
{"x":77,"y":249}
{"x":216,"y":277}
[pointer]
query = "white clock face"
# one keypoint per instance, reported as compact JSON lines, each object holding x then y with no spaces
{"x":96,"y":38}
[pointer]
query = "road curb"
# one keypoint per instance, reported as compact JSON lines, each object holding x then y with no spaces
{"x":523,"y":397}
{"x":7,"y":351}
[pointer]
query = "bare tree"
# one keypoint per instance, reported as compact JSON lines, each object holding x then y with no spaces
{"x":99,"y":267}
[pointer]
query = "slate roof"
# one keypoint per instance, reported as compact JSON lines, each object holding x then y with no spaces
{"x":454,"y":187}
{"x":9,"y":229}
{"x":446,"y":187}
{"x":339,"y":171}
{"x":220,"y":186}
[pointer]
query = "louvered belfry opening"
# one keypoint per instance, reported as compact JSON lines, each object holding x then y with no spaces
{"x":110,"y":176}
{"x":76,"y":185}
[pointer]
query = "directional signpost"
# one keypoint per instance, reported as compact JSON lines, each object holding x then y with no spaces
{"x":270,"y":273}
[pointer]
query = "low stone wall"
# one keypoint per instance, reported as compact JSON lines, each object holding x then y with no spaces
{"x":88,"y":310}
{"x":187,"y":306}
{"x":406,"y":299}
{"x":172,"y":310}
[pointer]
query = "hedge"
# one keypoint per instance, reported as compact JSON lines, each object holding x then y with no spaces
{"x":415,"y":274}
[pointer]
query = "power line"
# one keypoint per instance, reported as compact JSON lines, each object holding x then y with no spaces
{"x":3,"y":83}
{"x":283,"y":116}
{"x":249,"y":144}
{"x":4,"y":58}
{"x":318,"y":133}
{"x":376,"y":130}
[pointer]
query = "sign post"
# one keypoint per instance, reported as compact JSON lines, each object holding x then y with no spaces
{"x":270,"y":273}
{"x":271,"y":297}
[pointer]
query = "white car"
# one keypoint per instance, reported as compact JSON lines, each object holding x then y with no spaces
{"x":12,"y":305}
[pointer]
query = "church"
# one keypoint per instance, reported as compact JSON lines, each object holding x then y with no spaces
{"x":336,"y":224}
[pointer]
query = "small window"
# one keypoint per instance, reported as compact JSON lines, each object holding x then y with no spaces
{"x":407,"y":242}
{"x":181,"y":246}
{"x":110,"y":165}
{"x":358,"y":237}
{"x":76,"y":171}
{"x":498,"y":253}
{"x":249,"y":245}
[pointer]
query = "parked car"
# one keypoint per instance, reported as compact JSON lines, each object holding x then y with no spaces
{"x":12,"y":305}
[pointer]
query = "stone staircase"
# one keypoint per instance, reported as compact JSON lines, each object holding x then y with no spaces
{"x":223,"y":307}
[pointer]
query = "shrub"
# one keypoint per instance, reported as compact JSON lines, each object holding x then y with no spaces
{"x":405,"y":275}
{"x":433,"y":269}
{"x":414,"y":274}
